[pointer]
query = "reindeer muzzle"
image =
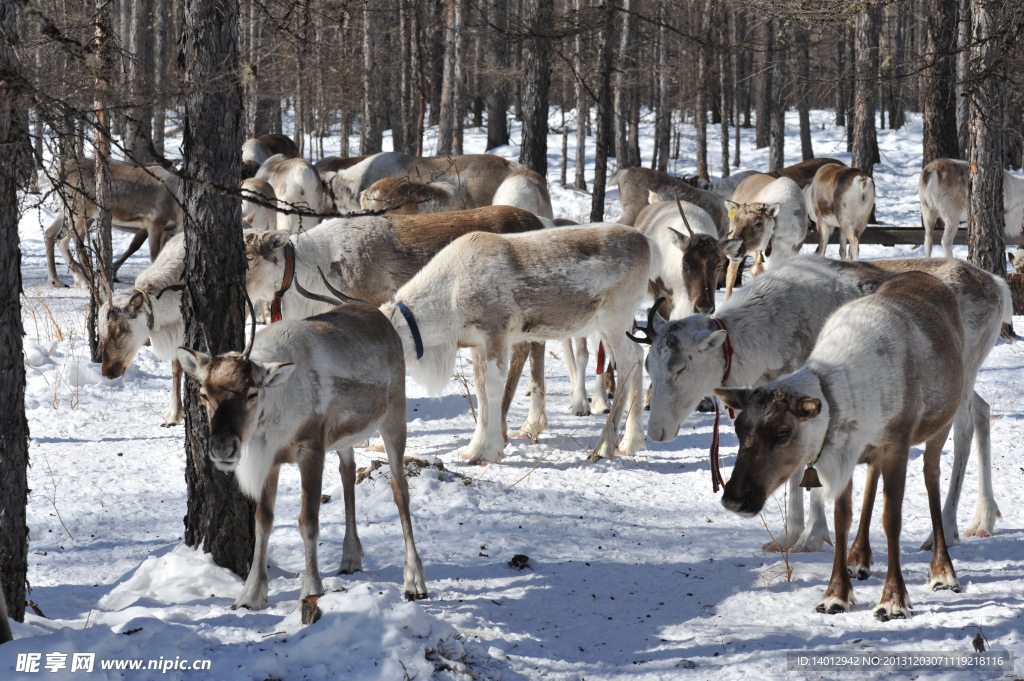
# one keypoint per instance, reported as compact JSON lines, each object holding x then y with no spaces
{"x":741,"y":503}
{"x":224,"y":452}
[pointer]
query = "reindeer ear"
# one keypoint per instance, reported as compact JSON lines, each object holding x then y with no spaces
{"x":807,"y":407}
{"x":274,"y":373}
{"x":276,"y":239}
{"x":733,"y":248}
{"x":193,"y":362}
{"x":249,"y":218}
{"x":772,"y":210}
{"x":682,"y":242}
{"x":734,"y":398}
{"x":135,"y":304}
{"x":711,"y":341}
{"x":731,"y":205}
{"x":652,"y":197}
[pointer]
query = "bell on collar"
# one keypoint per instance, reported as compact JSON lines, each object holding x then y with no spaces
{"x":810,"y":479}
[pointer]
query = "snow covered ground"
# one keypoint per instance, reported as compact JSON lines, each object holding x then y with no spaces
{"x":635,"y":570}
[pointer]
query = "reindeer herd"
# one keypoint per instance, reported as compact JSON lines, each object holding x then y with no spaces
{"x":386,"y":263}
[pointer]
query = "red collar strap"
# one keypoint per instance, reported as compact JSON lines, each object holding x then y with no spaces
{"x":289,"y":274}
{"x":727,"y":350}
{"x":768,"y":248}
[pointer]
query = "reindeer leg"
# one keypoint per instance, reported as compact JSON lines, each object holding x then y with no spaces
{"x":352,"y":549}
{"x":627,"y":398}
{"x":984,"y":523}
{"x":393,"y":431}
{"x":311,"y":472}
{"x":941,"y":574}
{"x":579,"y":403}
{"x":600,"y":404}
{"x":730,"y":277}
{"x":895,"y":602}
{"x":76,"y":272}
{"x":928,"y":223}
{"x":949,"y":235}
{"x":839,"y":595}
{"x":488,"y":445}
{"x":861,"y":559}
{"x":51,"y":236}
{"x":963,"y":430}
{"x":136,"y":244}
{"x":815,"y":534}
{"x":515,"y":371}
{"x":174,"y":411}
{"x":254,"y":593}
{"x":536,"y":421}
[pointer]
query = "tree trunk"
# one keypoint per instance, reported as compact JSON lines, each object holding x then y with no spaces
{"x":407,"y":87}
{"x":139,"y":132}
{"x":371,"y":137}
{"x":622,"y":86}
{"x":723,"y":79}
{"x":582,"y":110}
{"x":449,"y":134}
{"x":605,"y":133}
{"x":962,"y":72}
{"x":737,"y":61}
{"x":161,"y":10}
{"x":985,"y":222}
{"x":497,"y":96}
{"x":803,"y":60}
{"x":101,"y":146}
{"x":664,"y":104}
{"x":219,"y":517}
{"x":534,"y":151}
{"x":865,"y":143}
{"x":700,"y":101}
{"x":777,"y":110}
{"x":897,"y":107}
{"x":840,"y":89}
{"x":939,"y":128}
{"x":13,"y":424}
{"x":765,"y":88}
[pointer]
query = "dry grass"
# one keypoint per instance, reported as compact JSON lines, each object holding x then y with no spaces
{"x":784,"y":571}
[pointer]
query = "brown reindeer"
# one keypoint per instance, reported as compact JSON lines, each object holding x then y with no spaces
{"x":142,"y":200}
{"x":636,"y":185}
{"x":402,"y":196}
{"x":803,"y":173}
{"x":258,"y":149}
{"x":887,"y":373}
{"x":841,"y":197}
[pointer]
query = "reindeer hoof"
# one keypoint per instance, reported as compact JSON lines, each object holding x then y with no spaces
{"x":859,"y":572}
{"x":885,"y":613}
{"x":415,"y":595}
{"x":56,"y":283}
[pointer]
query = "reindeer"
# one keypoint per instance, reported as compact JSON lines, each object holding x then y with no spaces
{"x":768,"y":217}
{"x":490,"y":291}
{"x":332,"y":164}
{"x":525,"y":189}
{"x":803,"y":173}
{"x":841,"y":197}
{"x":297,"y":187}
{"x":478,"y":175}
{"x":636,"y":184}
{"x":402,"y":196}
{"x":301,"y":388}
{"x":689,"y":358}
{"x":943,"y":193}
{"x":886,"y":373}
{"x":257,"y":150}
{"x":151,"y":311}
{"x":725,"y":186}
{"x":256,"y":195}
{"x":142,"y":200}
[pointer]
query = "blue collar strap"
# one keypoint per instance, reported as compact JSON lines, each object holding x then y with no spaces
{"x":411,"y":321}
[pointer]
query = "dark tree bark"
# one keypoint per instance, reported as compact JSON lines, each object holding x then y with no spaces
{"x":865,"y":143}
{"x":962,"y":72}
{"x":406,"y":16}
{"x":840,"y":89}
{"x":219,"y":517}
{"x":14,"y":144}
{"x":449,"y":133}
{"x":738,"y":59}
{"x":104,"y":218}
{"x":582,"y":110}
{"x":803,"y":60}
{"x":161,"y":10}
{"x":664,"y":120}
{"x":139,"y":133}
{"x":371,"y":137}
{"x":985,"y":222}
{"x":939,"y":133}
{"x":765,"y":87}
{"x":701,"y":100}
{"x":497,"y":96}
{"x":605,"y":132}
{"x":777,"y":109}
{"x":622,"y":87}
{"x":723,"y":80}
{"x":534,"y":152}
{"x":897,"y":107}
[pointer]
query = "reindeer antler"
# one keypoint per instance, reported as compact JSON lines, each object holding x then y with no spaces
{"x":344,"y":298}
{"x":252,"y":315}
{"x":647,"y":333}
{"x":683,"y":215}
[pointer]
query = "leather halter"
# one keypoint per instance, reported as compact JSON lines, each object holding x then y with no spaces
{"x":727,"y":350}
{"x":289,"y":275}
{"x":149,"y":303}
{"x":411,"y":321}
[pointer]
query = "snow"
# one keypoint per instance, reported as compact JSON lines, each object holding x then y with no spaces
{"x":635,"y":570}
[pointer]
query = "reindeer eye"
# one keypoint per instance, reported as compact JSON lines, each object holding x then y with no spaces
{"x":681,"y":370}
{"x":252,"y":396}
{"x":782,"y":435}
{"x":202,"y":396}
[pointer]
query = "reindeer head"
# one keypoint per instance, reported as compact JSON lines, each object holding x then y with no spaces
{"x":345,"y":192}
{"x":124,"y":328}
{"x":397,"y":195}
{"x":266,"y":261}
{"x":231,"y":387}
{"x":703,"y":259}
{"x":685,"y":363}
{"x":751,"y":226}
{"x":778,"y":434}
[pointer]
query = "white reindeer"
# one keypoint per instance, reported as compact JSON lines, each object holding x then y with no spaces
{"x":943,"y":193}
{"x":402,"y":196}
{"x":151,"y":311}
{"x":525,"y":189}
{"x":886,"y":373}
{"x":841,"y":197}
{"x":772,"y":326}
{"x":489,"y":292}
{"x":297,"y":187}
{"x":308,"y":386}
{"x":259,"y":201}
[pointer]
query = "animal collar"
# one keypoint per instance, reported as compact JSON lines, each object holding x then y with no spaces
{"x":149,"y":304}
{"x":289,"y":275}
{"x":411,"y":321}
{"x":716,"y":473}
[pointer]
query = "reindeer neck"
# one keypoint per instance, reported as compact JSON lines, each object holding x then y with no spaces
{"x":755,"y":344}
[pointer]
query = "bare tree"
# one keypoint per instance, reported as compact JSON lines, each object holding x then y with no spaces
{"x":865,"y":142}
{"x":104,"y":220}
{"x":701,"y":100}
{"x":605,"y":133}
{"x":622,"y":87}
{"x":664,"y":121}
{"x":371,"y":133}
{"x":497,"y":96}
{"x":803,"y":61}
{"x":582,"y":110}
{"x":985,"y":222}
{"x":449,"y":133}
{"x":139,"y":132}
{"x":14,"y":145}
{"x":533,"y":154}
{"x":777,"y":101}
{"x":219,"y":517}
{"x":939,"y":131}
